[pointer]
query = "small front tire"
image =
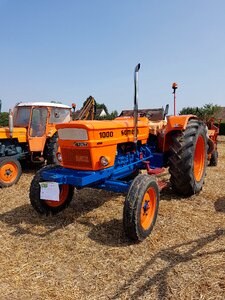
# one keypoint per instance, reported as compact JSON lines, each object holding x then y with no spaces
{"x":47,"y":206}
{"x":141,"y":207}
{"x":10,"y":171}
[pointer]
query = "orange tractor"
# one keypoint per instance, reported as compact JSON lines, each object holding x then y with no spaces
{"x":213,"y":132}
{"x":31,"y":136}
{"x":110,"y":155}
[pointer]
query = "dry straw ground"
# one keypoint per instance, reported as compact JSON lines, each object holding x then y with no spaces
{"x":82,"y":252}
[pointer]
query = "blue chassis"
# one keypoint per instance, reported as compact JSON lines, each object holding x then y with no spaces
{"x":108,"y":179}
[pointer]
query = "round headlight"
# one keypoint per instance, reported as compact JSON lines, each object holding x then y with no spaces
{"x":59,"y":156}
{"x":104,"y":161}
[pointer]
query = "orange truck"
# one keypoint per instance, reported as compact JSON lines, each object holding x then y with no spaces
{"x":110,"y":155}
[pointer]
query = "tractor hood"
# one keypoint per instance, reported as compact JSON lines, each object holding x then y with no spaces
{"x":84,"y":143}
{"x":115,"y":131}
{"x":18,"y":133}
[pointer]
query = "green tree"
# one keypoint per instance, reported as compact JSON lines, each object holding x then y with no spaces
{"x":204,"y":113}
{"x":189,"y":111}
{"x":4,"y":119}
{"x":114,"y":114}
{"x":102,"y":106}
{"x":111,"y":116}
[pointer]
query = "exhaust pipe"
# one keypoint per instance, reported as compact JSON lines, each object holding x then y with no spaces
{"x":137,"y":68}
{"x":10,"y":123}
{"x":0,"y":105}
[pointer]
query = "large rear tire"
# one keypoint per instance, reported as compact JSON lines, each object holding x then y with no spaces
{"x":188,"y":158}
{"x":10,"y":171}
{"x":47,"y":206}
{"x":51,"y":149}
{"x":141,"y":207}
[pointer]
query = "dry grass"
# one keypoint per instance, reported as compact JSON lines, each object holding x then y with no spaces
{"x":83,"y":254}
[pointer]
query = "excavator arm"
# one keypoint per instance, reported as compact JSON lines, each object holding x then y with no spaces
{"x":88,"y":111}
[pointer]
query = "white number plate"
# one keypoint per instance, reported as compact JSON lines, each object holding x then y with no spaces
{"x":49,"y":191}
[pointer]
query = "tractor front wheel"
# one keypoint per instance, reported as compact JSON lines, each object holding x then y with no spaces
{"x":214,"y":159}
{"x":188,"y":157}
{"x":141,"y":207}
{"x":10,"y":171}
{"x":48,"y":206}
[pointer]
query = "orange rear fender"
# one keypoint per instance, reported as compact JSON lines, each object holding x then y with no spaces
{"x":174,"y":123}
{"x":178,"y":122}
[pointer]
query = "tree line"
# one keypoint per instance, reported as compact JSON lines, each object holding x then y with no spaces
{"x":205,"y":113}
{"x":4,"y":116}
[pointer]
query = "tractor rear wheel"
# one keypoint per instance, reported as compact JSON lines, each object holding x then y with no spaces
{"x":141,"y":207}
{"x":214,"y":159}
{"x":10,"y":171}
{"x":48,"y":206}
{"x":188,"y":157}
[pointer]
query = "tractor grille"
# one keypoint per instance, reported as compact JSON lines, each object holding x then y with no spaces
{"x":78,"y":158}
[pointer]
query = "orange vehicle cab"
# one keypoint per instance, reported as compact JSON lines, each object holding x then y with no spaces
{"x":39,"y":118}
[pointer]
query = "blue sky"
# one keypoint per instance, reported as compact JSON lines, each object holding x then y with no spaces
{"x":68,"y":50}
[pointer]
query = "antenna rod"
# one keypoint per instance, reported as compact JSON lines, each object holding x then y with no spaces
{"x":137,"y":68}
{"x":174,"y":87}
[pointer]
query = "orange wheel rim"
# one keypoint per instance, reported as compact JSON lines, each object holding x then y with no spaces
{"x":148,"y":207}
{"x":9,"y":172}
{"x":64,"y":190}
{"x":199,"y":158}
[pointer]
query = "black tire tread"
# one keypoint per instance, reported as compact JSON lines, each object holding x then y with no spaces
{"x":39,"y":205}
{"x":131,"y":216}
{"x":51,"y":150}
{"x":181,"y":159}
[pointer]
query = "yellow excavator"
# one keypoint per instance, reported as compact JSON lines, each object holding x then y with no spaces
{"x":88,"y":110}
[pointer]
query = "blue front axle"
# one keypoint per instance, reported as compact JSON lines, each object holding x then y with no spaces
{"x":111,"y":178}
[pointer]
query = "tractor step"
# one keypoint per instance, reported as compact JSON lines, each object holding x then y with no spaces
{"x":156,"y":171}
